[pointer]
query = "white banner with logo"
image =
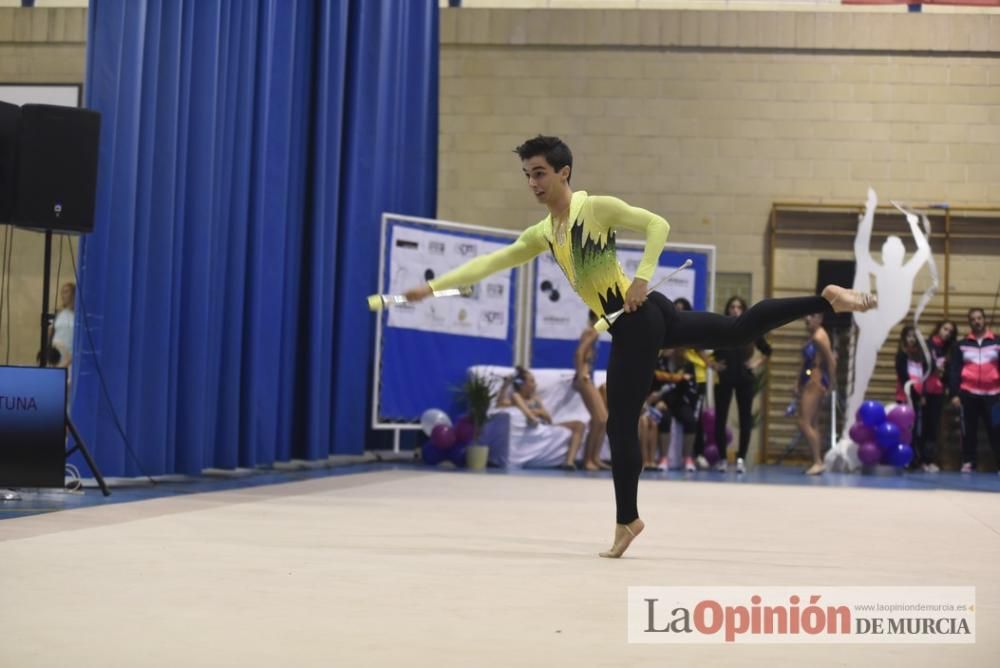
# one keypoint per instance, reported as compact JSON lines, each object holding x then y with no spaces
{"x":561,"y":314}
{"x":417,"y":256}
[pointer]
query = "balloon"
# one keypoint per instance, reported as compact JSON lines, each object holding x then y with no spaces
{"x":902,"y":416}
{"x":871,"y":413}
{"x":887,"y":434}
{"x":432,"y":454}
{"x":861,"y":433}
{"x":433,"y":417}
{"x":443,"y":436}
{"x":464,"y":430}
{"x":708,"y":423}
{"x":900,"y":455}
{"x":869,"y":453}
{"x":712,"y":453}
{"x":457,"y":455}
{"x":729,"y":435}
{"x":906,"y":436}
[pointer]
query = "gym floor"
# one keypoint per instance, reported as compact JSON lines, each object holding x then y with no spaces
{"x":389,"y":563}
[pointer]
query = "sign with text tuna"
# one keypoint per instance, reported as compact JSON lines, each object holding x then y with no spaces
{"x":32,"y":427}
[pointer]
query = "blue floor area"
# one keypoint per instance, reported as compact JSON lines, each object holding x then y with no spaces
{"x":34,"y":502}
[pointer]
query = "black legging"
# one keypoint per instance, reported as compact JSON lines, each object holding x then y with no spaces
{"x":636,"y":339}
{"x":930,"y":427}
{"x":744,"y":406}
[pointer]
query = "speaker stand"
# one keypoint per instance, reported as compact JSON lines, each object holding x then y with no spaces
{"x":46,"y":321}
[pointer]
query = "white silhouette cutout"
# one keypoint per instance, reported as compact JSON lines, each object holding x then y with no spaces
{"x":894,"y":287}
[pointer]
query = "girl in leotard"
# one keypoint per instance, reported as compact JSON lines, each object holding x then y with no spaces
{"x":583,"y":382}
{"x":818,"y":368}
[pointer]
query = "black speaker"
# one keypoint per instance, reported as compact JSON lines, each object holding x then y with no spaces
{"x":10,"y":117}
{"x":56,"y":183}
{"x":837,"y":272}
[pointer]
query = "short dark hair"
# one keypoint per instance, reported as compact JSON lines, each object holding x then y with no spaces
{"x":554,"y":150}
{"x":685,"y":304}
{"x":974,"y":309}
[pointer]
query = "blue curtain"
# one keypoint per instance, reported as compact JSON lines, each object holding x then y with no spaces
{"x":248,"y":149}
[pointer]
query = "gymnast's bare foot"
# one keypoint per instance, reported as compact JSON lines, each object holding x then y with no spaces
{"x":842,"y":299}
{"x":624,"y":535}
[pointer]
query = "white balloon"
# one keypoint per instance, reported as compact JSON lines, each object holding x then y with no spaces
{"x":431,"y":418}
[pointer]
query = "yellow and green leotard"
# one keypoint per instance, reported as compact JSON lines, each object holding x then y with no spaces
{"x":586,"y":255}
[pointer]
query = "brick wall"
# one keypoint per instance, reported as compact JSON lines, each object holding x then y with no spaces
{"x":709,"y":117}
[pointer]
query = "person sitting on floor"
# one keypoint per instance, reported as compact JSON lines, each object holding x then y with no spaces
{"x":524,"y":398}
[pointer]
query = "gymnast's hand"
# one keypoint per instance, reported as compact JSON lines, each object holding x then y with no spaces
{"x":636,"y":295}
{"x":418,"y":294}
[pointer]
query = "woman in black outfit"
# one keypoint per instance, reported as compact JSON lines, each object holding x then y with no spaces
{"x":736,"y":367}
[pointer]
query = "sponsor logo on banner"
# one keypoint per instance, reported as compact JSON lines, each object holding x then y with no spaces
{"x":406,"y":243}
{"x":435,"y":248}
{"x":16,"y":403}
{"x":466,"y":249}
{"x":491,"y":317}
{"x":802,"y":615}
{"x":494,"y":290}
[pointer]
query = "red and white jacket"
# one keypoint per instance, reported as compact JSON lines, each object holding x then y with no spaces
{"x":975,"y":366}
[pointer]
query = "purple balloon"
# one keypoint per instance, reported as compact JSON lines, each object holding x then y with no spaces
{"x":906,"y":436}
{"x":457,"y":455}
{"x":443,"y":436}
{"x":903,"y":416}
{"x":433,"y":455}
{"x":869,"y":453}
{"x":861,"y":433}
{"x":712,"y":453}
{"x":464,"y":430}
{"x":729,"y":435}
{"x":872,"y":413}
{"x":708,"y":423}
{"x":887,"y":434}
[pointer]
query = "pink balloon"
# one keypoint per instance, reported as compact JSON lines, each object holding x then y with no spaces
{"x":443,"y":436}
{"x":902,"y":416}
{"x":906,"y":436}
{"x":869,"y":453}
{"x":861,"y":433}
{"x":712,"y":453}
